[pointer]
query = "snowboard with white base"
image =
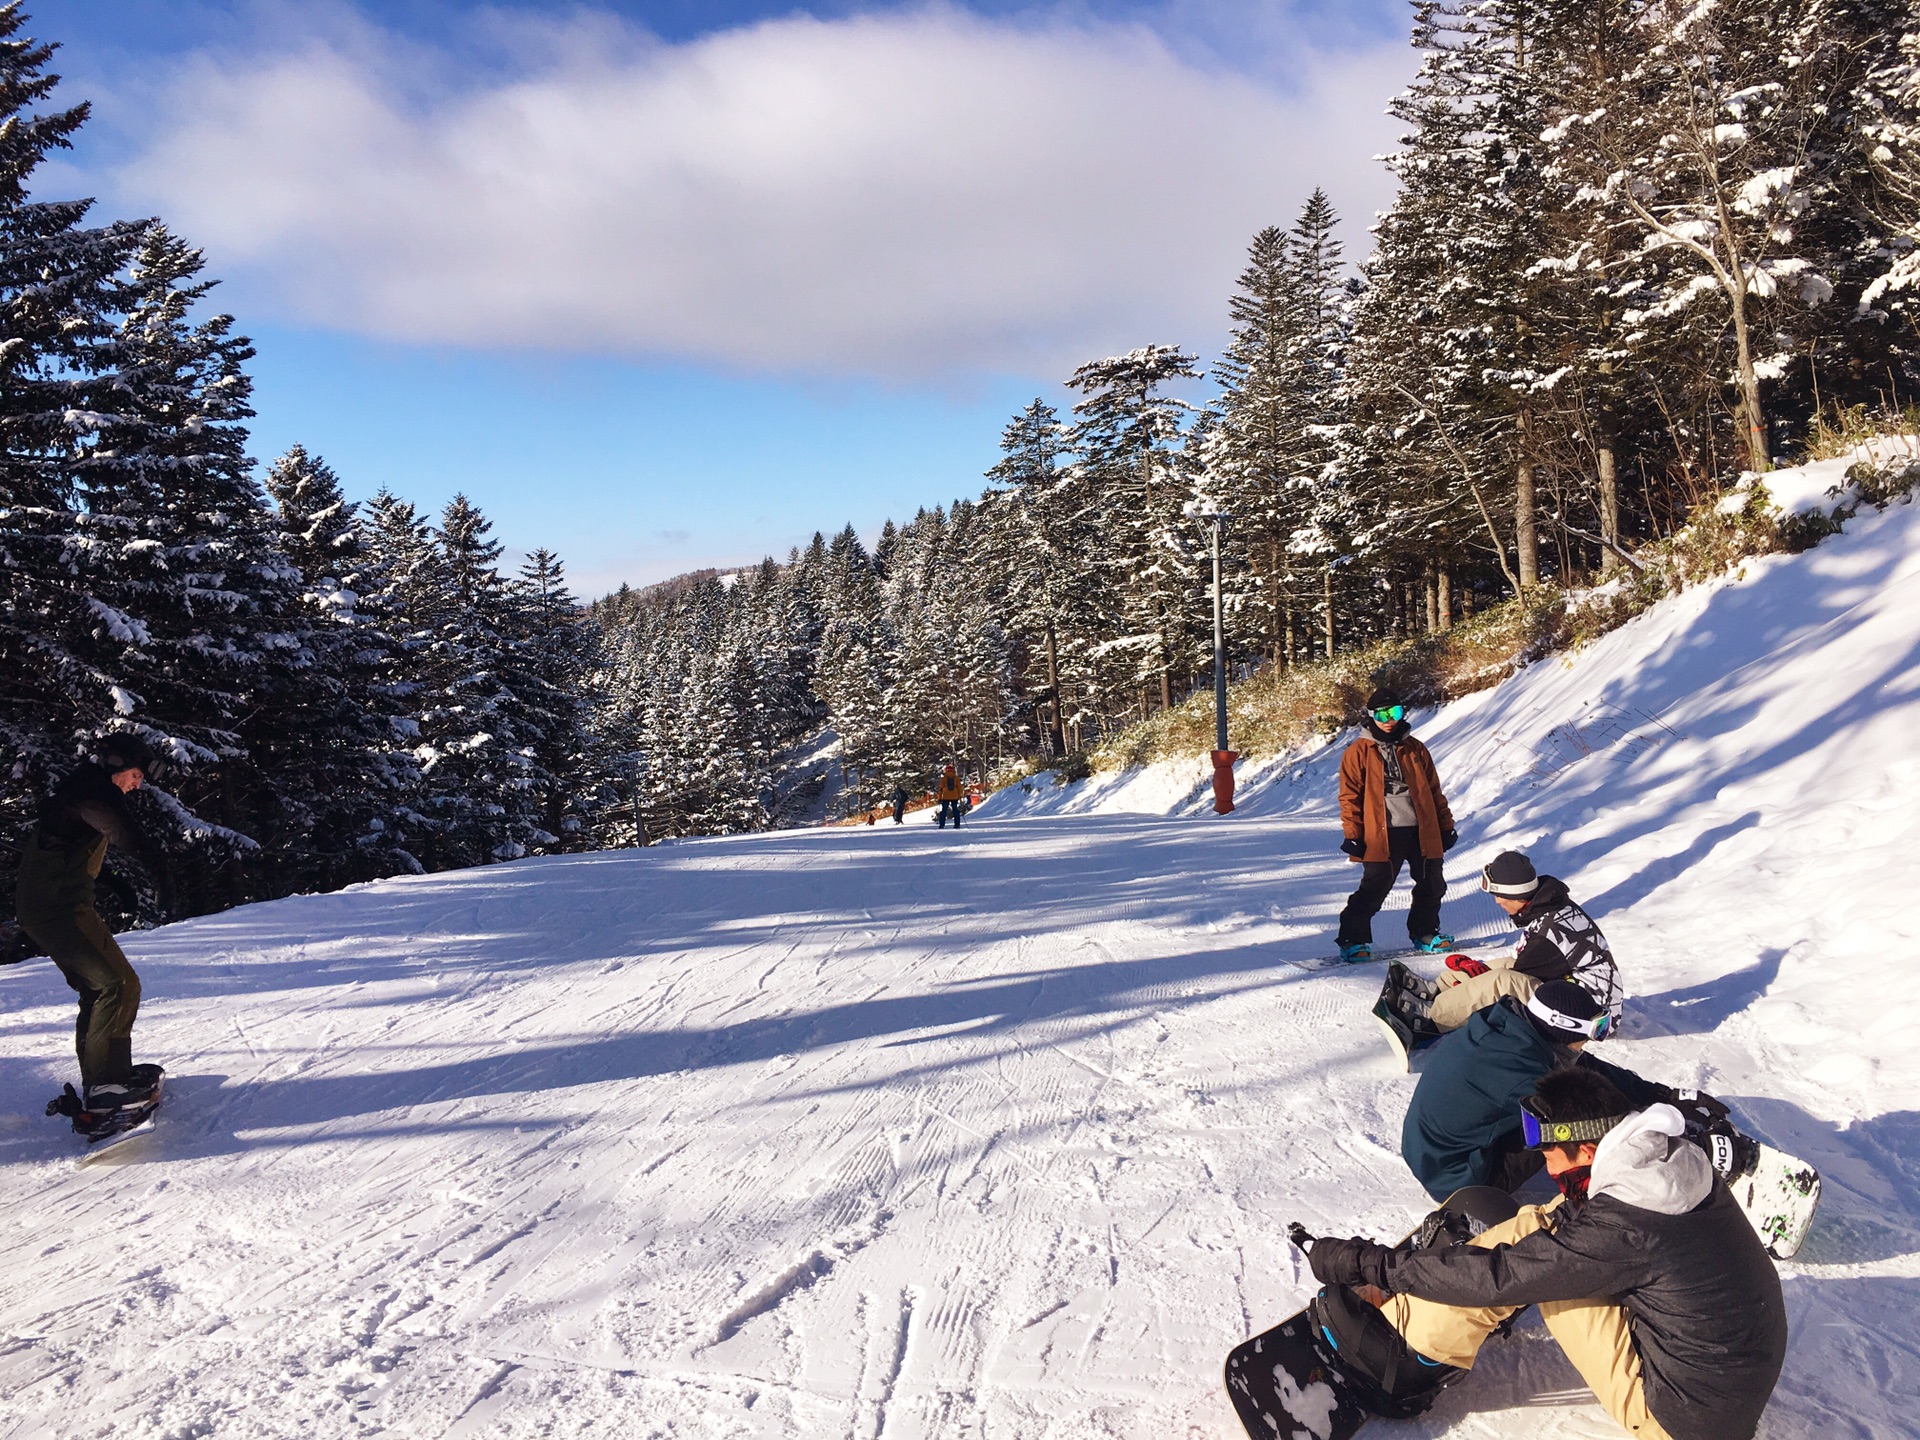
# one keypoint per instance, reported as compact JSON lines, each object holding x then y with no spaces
{"x":1778,"y":1196}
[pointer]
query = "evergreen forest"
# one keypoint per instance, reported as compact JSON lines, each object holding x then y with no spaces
{"x":1638,"y":247}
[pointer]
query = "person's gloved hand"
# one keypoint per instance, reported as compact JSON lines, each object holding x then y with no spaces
{"x":1349,"y":1262}
{"x":1449,"y":839}
{"x":1466,"y":965}
{"x":1355,"y":848}
{"x":1699,"y":1108}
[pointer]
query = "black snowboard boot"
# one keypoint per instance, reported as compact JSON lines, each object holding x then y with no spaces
{"x":1387,"y":1378}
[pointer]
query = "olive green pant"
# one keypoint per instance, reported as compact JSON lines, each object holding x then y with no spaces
{"x":55,"y":905}
{"x":1595,"y":1334}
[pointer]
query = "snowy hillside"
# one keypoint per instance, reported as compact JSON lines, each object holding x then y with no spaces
{"x":879,"y":1132}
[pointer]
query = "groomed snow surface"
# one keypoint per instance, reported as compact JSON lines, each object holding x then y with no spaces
{"x":878,"y":1132}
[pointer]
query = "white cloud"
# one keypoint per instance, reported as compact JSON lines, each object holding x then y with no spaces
{"x":911,"y":195}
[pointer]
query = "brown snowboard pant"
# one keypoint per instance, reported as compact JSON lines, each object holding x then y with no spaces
{"x":1595,"y":1334}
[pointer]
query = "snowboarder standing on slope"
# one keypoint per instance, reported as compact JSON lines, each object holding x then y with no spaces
{"x":1392,"y":812}
{"x":1644,"y":1269}
{"x":59,"y":864}
{"x":1463,"y":1125}
{"x":949,"y":795}
{"x":1560,"y":942}
{"x":899,"y":798}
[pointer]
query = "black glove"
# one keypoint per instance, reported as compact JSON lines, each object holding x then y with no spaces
{"x":1349,"y":1262}
{"x":1698,"y":1108}
{"x":1355,"y":848}
{"x":1449,"y":839}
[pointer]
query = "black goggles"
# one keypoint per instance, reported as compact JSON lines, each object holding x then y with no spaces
{"x":1540,"y":1131}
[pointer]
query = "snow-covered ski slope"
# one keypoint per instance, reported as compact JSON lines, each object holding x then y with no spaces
{"x":878,"y":1132}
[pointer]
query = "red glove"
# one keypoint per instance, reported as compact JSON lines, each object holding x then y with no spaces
{"x":1466,"y":965}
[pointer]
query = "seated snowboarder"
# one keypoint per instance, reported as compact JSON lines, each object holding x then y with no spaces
{"x":1392,"y":812}
{"x":949,"y":795}
{"x":54,"y":898}
{"x":1560,"y":942}
{"x":1463,"y":1124}
{"x":1645,"y":1271}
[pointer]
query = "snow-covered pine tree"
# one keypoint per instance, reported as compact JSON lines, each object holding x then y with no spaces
{"x":1035,"y":537}
{"x":60,"y":289}
{"x":1716,"y":161}
{"x":180,"y":535}
{"x":1129,"y":466}
{"x":338,"y":742}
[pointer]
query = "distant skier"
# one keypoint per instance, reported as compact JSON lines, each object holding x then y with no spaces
{"x":1559,"y":942}
{"x":1463,"y":1125}
{"x":950,"y":794}
{"x":59,"y":864}
{"x":1645,"y":1270}
{"x":1392,"y":812}
{"x":899,"y":804}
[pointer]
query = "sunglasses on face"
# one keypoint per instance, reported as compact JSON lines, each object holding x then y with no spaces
{"x":1392,"y":715}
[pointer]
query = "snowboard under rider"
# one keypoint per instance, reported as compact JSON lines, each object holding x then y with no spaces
{"x":899,"y":798}
{"x":1463,"y":1124}
{"x":949,"y":794}
{"x":1646,"y":1272}
{"x":1559,"y":942}
{"x":54,"y":899}
{"x":1392,"y":812}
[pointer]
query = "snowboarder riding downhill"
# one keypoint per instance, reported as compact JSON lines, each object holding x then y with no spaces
{"x":1392,"y":812}
{"x":1644,"y":1269}
{"x":59,"y":864}
{"x":1559,"y":942}
{"x":949,"y":795}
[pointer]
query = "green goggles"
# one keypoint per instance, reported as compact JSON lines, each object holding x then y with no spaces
{"x":1392,"y":715}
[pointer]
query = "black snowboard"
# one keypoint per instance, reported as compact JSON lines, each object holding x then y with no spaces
{"x":1284,"y":1383}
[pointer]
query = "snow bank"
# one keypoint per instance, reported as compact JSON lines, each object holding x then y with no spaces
{"x":901,"y":1132}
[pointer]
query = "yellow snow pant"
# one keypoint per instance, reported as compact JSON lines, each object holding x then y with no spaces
{"x":54,"y":900}
{"x":1595,"y":1334}
{"x":1461,"y":995}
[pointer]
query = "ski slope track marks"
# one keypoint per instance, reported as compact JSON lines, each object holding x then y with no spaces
{"x":881,"y":1132}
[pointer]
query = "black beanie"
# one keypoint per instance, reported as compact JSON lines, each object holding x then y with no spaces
{"x":126,"y":752}
{"x":1381,"y":698}
{"x":1510,"y":875}
{"x":1564,"y":1012}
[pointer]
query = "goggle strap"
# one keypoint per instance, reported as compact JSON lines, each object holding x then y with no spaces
{"x":1540,"y":1132}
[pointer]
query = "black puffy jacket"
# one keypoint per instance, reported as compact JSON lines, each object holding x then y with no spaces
{"x":1702,"y":1297}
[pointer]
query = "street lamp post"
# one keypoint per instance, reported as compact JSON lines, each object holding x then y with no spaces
{"x":1223,"y":758}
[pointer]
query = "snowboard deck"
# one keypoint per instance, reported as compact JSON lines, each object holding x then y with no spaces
{"x":1402,"y":953}
{"x":1779,"y":1197}
{"x":132,"y":1125}
{"x":1403,"y":1039}
{"x":1283,"y":1384}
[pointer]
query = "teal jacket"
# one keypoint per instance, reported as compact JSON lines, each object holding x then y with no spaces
{"x":1465,"y":1115}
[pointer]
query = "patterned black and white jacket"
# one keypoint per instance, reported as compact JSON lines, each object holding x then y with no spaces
{"x":1561,"y":942}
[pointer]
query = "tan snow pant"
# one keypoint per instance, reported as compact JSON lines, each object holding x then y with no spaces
{"x":1461,"y":995}
{"x":1594,"y":1334}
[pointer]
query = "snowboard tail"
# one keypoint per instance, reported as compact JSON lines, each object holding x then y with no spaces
{"x":1778,"y":1196}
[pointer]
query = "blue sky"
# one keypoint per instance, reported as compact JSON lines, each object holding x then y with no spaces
{"x":672,"y":284}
